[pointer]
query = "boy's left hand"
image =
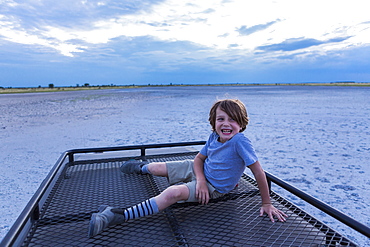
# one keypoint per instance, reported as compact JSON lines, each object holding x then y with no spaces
{"x":271,"y":211}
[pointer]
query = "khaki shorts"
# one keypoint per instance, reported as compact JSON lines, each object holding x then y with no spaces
{"x":182,"y":172}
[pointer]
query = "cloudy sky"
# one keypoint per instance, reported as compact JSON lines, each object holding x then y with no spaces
{"x":121,"y":42}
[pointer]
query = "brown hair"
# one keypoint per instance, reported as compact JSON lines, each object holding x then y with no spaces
{"x":234,"y":108}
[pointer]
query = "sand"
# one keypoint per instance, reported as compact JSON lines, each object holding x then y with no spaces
{"x":316,"y":138}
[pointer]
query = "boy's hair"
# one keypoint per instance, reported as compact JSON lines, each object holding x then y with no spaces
{"x":234,"y":108}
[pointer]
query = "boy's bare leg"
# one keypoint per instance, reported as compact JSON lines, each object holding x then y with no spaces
{"x":172,"y":195}
{"x":108,"y":216}
{"x":158,"y":169}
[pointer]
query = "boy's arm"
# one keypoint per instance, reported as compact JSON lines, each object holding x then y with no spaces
{"x":201,"y":191}
{"x":267,"y":207}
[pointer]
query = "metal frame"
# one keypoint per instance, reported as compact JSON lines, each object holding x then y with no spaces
{"x":320,"y":205}
{"x":31,"y":212}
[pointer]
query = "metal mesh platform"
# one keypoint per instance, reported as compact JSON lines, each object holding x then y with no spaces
{"x":232,"y":220}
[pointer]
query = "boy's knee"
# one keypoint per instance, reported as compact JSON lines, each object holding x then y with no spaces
{"x":178,"y":193}
{"x":158,"y":168}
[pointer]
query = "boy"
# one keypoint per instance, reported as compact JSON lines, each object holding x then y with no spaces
{"x":215,"y":171}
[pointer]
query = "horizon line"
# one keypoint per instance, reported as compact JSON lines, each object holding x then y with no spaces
{"x":86,"y":85}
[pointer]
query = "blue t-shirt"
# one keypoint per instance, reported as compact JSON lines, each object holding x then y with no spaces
{"x":225,"y":162}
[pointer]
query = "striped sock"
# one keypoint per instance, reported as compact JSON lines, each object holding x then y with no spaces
{"x":144,"y":208}
{"x":145,"y":170}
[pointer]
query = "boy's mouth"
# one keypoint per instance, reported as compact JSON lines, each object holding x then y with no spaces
{"x":226,"y":131}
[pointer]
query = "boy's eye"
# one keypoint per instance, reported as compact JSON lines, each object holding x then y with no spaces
{"x":220,"y":119}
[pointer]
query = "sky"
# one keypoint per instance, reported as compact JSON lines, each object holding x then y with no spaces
{"x":124,"y":42}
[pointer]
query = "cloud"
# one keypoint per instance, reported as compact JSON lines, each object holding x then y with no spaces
{"x":298,"y":44}
{"x":72,"y":23}
{"x":68,"y":26}
{"x":15,"y":33}
{"x":244,"y":30}
{"x":170,"y":36}
{"x":72,"y":27}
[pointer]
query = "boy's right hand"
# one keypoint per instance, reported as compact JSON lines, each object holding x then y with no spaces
{"x":201,"y":192}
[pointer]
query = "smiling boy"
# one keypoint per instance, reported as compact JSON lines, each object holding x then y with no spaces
{"x":215,"y":171}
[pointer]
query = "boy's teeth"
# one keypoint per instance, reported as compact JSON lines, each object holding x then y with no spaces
{"x":226,"y":131}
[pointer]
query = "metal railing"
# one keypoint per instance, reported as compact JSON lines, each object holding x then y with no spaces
{"x":31,"y":212}
{"x":20,"y":228}
{"x":142,"y":148}
{"x":320,"y":205}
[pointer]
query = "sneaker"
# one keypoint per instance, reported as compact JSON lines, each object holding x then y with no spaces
{"x":132,"y":166}
{"x":103,"y":219}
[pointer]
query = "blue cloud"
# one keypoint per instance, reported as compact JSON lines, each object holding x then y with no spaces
{"x":244,"y":30}
{"x":208,"y":11}
{"x":233,"y":45}
{"x":147,"y":44}
{"x":144,"y":59}
{"x":72,"y":13}
{"x":297,"y":44}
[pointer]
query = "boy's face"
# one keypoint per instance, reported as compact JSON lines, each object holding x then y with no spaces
{"x":226,"y":127}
